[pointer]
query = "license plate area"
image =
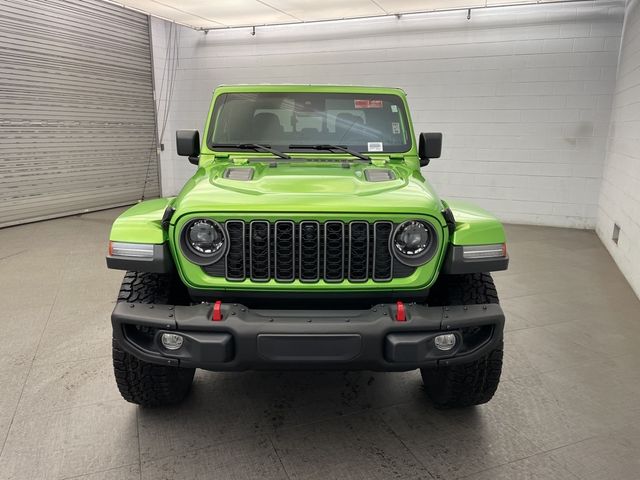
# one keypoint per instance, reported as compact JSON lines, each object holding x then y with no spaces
{"x":321,"y":348}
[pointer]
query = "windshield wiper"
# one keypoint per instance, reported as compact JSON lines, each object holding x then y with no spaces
{"x":332,"y":148}
{"x":252,"y":146}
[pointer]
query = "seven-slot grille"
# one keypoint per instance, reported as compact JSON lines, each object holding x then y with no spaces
{"x":308,"y":251}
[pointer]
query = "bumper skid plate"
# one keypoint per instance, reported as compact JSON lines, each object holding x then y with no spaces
{"x":307,"y":339}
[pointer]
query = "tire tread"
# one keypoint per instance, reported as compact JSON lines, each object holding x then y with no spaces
{"x":471,"y":383}
{"x":140,"y":382}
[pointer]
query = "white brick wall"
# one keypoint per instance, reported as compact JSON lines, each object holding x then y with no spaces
{"x":522,"y":94}
{"x":620,"y":192}
{"x":161,"y":34}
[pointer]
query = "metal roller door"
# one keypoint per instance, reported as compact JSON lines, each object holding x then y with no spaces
{"x":77,"y":114}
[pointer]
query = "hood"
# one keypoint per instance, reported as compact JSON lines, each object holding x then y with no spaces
{"x":316,"y":186}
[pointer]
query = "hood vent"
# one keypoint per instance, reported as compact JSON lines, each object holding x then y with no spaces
{"x":240,"y":174}
{"x":379,"y":175}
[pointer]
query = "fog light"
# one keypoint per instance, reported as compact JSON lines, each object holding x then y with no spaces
{"x":171,"y":341}
{"x":445,"y":342}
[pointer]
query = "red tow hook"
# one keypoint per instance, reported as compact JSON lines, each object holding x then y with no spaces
{"x":401,"y":315}
{"x":217,"y":311}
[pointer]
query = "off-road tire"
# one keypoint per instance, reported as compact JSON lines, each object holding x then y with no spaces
{"x":140,"y":382}
{"x":472,"y":383}
{"x":145,"y":287}
{"x":468,"y":289}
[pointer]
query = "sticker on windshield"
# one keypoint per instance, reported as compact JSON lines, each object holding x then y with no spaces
{"x":374,"y":146}
{"x":367,"y":103}
{"x":395,"y":127}
{"x":394,"y":108}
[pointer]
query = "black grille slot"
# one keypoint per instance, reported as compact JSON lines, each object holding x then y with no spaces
{"x":382,"y":259}
{"x":235,"y":264}
{"x":334,"y":251}
{"x":358,"y":251}
{"x":309,"y":241}
{"x":284,"y":251}
{"x":259,"y":243}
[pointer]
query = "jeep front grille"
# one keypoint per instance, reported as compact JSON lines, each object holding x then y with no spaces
{"x":309,"y":251}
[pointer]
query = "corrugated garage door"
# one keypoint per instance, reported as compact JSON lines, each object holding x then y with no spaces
{"x":77,"y":115}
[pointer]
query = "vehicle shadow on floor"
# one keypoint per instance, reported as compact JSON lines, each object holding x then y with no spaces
{"x":224,"y":407}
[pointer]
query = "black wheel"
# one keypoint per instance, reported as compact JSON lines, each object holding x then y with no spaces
{"x":140,"y":382}
{"x":472,"y":383}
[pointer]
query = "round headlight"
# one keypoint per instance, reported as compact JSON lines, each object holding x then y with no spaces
{"x":414,"y":242}
{"x":205,"y":241}
{"x":205,"y":237}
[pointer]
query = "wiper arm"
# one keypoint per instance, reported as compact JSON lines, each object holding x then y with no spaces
{"x":253,"y":146}
{"x":331,"y":148}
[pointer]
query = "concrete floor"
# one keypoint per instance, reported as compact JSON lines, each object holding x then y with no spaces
{"x":567,"y":407}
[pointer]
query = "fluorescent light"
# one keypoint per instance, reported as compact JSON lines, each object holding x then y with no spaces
{"x":223,"y":14}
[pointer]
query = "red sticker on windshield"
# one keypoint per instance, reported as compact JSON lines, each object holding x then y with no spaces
{"x":368,"y":103}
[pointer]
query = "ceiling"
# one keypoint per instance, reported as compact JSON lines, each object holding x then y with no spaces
{"x":214,"y":14}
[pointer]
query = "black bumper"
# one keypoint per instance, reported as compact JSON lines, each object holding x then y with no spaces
{"x":317,"y":339}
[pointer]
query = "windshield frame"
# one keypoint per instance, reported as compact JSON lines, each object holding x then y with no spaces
{"x":388,"y":149}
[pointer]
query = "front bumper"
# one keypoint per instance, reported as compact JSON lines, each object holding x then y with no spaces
{"x":251,"y":339}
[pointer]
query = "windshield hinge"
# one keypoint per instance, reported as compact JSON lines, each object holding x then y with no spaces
{"x":240,"y":161}
{"x":379,"y":162}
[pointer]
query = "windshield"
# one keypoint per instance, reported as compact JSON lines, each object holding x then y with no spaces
{"x":360,"y":122}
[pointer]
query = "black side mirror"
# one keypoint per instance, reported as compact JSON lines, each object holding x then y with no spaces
{"x":188,"y":144}
{"x":430,"y":146}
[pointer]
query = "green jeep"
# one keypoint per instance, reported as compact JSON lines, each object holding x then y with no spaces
{"x":307,"y":239}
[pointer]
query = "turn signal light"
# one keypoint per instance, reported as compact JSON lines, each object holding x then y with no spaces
{"x":134,"y":250}
{"x":474,"y":252}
